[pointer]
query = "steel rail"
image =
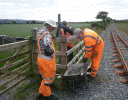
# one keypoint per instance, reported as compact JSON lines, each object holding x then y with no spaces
{"x":122,"y":39}
{"x":120,"y":54}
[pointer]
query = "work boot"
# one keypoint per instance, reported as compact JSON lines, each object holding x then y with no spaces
{"x":40,"y":97}
{"x":51,"y":97}
{"x":90,"y":78}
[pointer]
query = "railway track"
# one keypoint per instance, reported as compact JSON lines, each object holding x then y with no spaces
{"x":120,"y":54}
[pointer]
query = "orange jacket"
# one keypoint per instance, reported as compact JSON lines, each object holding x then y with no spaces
{"x":47,"y":62}
{"x":67,"y":35}
{"x":91,"y":39}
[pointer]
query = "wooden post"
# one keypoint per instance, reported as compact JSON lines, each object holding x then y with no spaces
{"x":59,"y":34}
{"x":34,"y":49}
{"x":63,"y":49}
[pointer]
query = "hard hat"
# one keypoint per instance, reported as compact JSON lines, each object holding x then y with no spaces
{"x":51,"y":23}
{"x":77,"y":31}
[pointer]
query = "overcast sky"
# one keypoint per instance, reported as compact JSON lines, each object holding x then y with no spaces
{"x":70,"y":10}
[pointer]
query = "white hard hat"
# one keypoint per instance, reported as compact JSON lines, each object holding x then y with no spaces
{"x":77,"y":31}
{"x":51,"y":23}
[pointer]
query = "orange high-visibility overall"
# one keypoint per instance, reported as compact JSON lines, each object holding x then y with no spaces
{"x":67,"y":35}
{"x":94,"y":48}
{"x":47,"y":68}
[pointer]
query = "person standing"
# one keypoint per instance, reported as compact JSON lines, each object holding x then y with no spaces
{"x":46,"y":60}
{"x":67,"y":31}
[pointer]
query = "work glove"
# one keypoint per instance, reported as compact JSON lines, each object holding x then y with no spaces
{"x":85,"y":60}
{"x":63,"y":27}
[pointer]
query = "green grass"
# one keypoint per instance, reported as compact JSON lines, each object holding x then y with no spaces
{"x":18,"y":30}
{"x":123,"y":27}
{"x":24,"y":30}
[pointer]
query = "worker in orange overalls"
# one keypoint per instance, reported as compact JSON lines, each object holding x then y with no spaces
{"x":94,"y":46}
{"x":67,"y":31}
{"x":46,"y":60}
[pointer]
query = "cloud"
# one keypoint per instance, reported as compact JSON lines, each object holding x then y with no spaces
{"x":70,"y":10}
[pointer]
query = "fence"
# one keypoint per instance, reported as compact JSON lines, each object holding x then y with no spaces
{"x":27,"y":64}
{"x":18,"y":65}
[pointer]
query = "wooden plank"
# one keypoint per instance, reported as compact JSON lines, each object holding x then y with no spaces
{"x":10,"y":80}
{"x":63,"y":49}
{"x":74,"y":48}
{"x":60,"y":53}
{"x":13,"y":85}
{"x":16,"y":71}
{"x":9,"y":62}
{"x":13,"y":57}
{"x":3,"y":76}
{"x":71,"y":62}
{"x":61,"y":66}
{"x":15,"y":63}
{"x":13,"y":45}
{"x":70,"y":38}
{"x":80,"y":58}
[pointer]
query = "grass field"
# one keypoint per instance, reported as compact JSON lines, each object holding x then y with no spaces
{"x":24,"y":30}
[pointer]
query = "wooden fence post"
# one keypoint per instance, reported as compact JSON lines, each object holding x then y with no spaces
{"x":63,"y":49}
{"x":34,"y":49}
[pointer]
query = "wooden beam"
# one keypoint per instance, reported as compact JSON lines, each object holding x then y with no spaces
{"x":10,"y":80}
{"x":71,"y":62}
{"x":15,"y":71}
{"x":13,"y":45}
{"x":15,"y":63}
{"x":13,"y":57}
{"x":80,"y":58}
{"x":13,"y":85}
{"x":74,"y":48}
{"x":60,"y":53}
{"x":70,"y":38}
{"x":10,"y":61}
{"x":61,"y":66}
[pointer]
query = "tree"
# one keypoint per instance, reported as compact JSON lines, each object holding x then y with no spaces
{"x":27,"y":22}
{"x":14,"y":22}
{"x":33,"y":22}
{"x":108,"y":19}
{"x":102,"y":15}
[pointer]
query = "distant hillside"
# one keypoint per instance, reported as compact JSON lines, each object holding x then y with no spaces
{"x":10,"y":21}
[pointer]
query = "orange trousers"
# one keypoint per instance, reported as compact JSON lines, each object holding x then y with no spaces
{"x":47,"y":70}
{"x":96,"y":57}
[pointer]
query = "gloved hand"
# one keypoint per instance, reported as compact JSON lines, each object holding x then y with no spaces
{"x":63,"y":27}
{"x":85,"y":60}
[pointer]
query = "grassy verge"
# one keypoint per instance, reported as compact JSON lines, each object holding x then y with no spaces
{"x":123,"y":27}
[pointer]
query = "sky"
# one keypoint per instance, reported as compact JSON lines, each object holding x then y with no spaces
{"x":70,"y":10}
